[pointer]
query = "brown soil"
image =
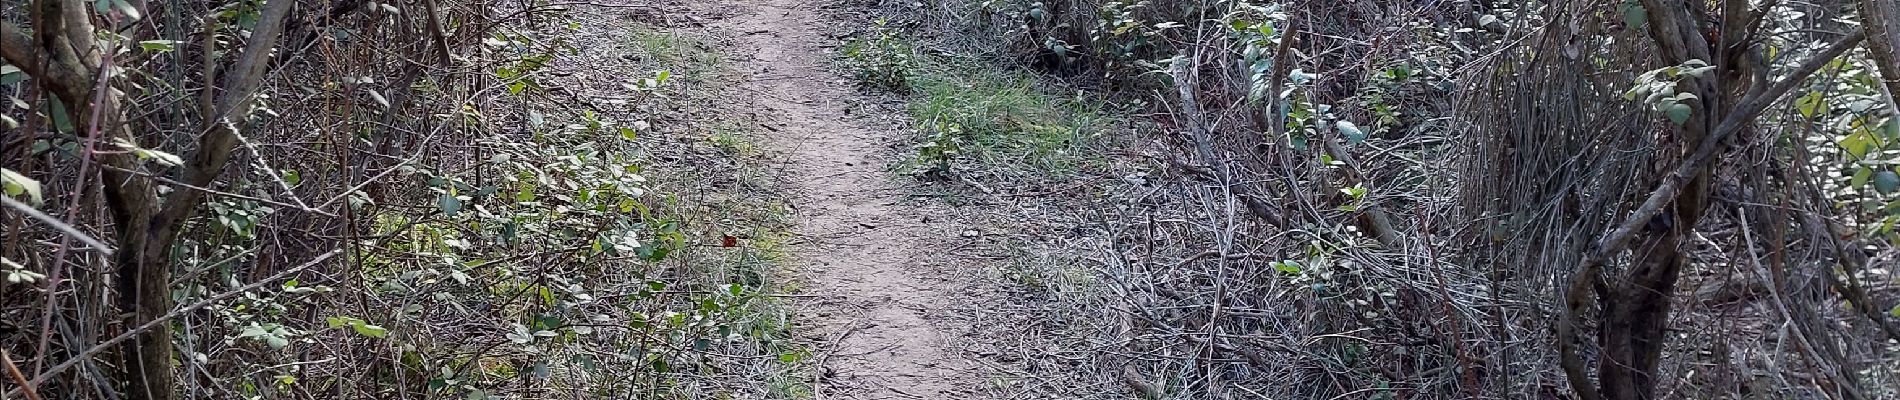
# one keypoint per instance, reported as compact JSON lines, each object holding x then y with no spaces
{"x":879,"y":301}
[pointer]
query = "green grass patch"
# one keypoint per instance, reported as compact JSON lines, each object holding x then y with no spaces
{"x":976,"y":115}
{"x":1003,"y":119}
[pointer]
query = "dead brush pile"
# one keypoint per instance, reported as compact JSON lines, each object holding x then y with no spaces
{"x":1372,"y":199}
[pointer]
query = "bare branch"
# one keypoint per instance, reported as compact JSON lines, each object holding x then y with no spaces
{"x":1750,"y":107}
{"x":18,"y":49}
{"x":1191,"y":116}
{"x":55,"y":223}
{"x":13,"y":371}
{"x":220,"y":138}
{"x":102,"y":346}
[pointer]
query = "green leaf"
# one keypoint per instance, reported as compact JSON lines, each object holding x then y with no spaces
{"x":1857,"y":145}
{"x":1350,"y":131}
{"x":61,"y":121}
{"x":541,"y":369}
{"x":1289,"y":267}
{"x":126,"y":8}
{"x":276,"y":341}
{"x":1356,"y":191}
{"x":1696,"y":68}
{"x":366,"y":329}
{"x":1811,"y":104}
{"x":160,"y":157}
{"x":1895,"y":312}
{"x":253,"y":331}
{"x":520,"y":335}
{"x":158,"y":45}
{"x":526,"y":194}
{"x":1891,"y":129}
{"x":15,"y":184}
{"x":1678,"y":113}
{"x":1861,"y":176}
{"x":449,"y":204}
{"x":1886,"y":181}
{"x":10,"y":74}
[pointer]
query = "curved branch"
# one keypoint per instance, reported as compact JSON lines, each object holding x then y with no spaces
{"x":1750,"y":107}
{"x":66,"y":77}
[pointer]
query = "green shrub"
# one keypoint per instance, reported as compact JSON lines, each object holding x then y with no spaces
{"x":884,"y":60}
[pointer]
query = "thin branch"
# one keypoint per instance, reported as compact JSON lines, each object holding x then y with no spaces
{"x":1197,"y":132}
{"x":102,"y":346}
{"x":13,"y":371}
{"x":1744,"y":112}
{"x":211,"y":191}
{"x":55,"y":223}
{"x":214,"y":147}
{"x":1276,"y":122}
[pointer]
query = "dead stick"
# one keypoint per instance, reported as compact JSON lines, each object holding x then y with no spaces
{"x":95,"y":349}
{"x":18,"y":378}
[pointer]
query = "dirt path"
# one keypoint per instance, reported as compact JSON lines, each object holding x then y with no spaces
{"x":866,"y":257}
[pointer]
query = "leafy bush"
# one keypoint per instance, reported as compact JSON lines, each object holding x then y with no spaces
{"x":497,"y":225}
{"x":883,"y":60}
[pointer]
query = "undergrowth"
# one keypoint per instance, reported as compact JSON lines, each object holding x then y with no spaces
{"x":881,"y":60}
{"x":610,"y":249}
{"x":719,"y":184}
{"x":970,"y":116}
{"x":1347,"y":198}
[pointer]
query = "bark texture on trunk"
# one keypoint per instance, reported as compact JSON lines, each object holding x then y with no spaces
{"x":1634,"y":307}
{"x":63,"y":55}
{"x":1882,"y":21}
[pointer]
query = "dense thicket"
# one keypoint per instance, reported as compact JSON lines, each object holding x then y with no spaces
{"x":357,"y":199}
{"x":1609,"y":199}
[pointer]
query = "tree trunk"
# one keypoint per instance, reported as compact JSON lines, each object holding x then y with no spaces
{"x":1635,"y":318}
{"x":62,"y":54}
{"x":1882,"y":21}
{"x":1635,"y":308}
{"x":145,"y":271}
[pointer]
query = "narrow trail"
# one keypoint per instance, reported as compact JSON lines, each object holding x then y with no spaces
{"x":866,"y":258}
